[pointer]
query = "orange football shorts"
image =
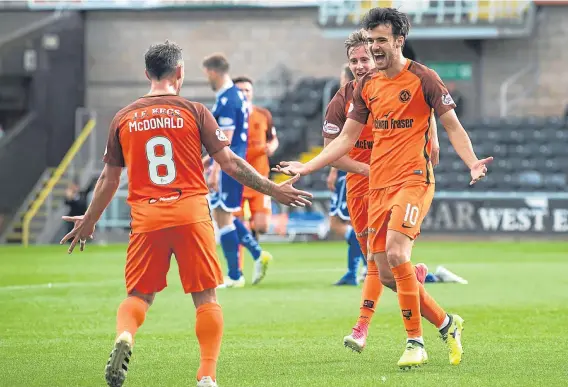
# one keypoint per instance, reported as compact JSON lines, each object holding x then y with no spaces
{"x":258,"y":204}
{"x":148,"y":258}
{"x":401,"y":208}
{"x":359,"y":212}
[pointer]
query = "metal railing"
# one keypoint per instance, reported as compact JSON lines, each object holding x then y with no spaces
{"x":340,"y":12}
{"x":151,"y":4}
{"x":77,"y":159}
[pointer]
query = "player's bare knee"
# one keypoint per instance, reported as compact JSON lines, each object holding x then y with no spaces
{"x":397,"y":256}
{"x":148,"y":298}
{"x":337,"y":225}
{"x":222,"y":217}
{"x":261,"y":225}
{"x":206,"y":296}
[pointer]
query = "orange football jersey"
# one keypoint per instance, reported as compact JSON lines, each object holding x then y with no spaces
{"x":400,"y":109}
{"x":260,"y":131}
{"x":158,"y":139}
{"x":335,"y":117}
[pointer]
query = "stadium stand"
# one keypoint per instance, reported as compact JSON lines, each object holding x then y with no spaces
{"x":529,"y":151}
{"x":298,"y":116}
{"x":530,"y":155}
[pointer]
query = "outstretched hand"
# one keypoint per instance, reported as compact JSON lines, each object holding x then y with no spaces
{"x":80,"y":233}
{"x":291,"y":168}
{"x":479,"y":170}
{"x":285,"y":193}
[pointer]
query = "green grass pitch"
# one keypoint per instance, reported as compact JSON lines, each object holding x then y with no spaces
{"x":287,"y":331}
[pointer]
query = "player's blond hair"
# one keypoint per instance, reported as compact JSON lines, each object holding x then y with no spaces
{"x":355,"y":39}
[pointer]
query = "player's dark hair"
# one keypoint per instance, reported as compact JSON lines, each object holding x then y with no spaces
{"x":242,"y":79}
{"x":354,"y":40}
{"x":387,"y":16}
{"x":348,"y":73}
{"x":162,"y":59}
{"x":217,"y":63}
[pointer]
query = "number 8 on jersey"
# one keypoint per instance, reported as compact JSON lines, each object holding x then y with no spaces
{"x":160,"y":153}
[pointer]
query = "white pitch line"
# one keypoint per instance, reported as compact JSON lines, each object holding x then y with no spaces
{"x":305,"y":271}
{"x":57,"y":285}
{"x":62,"y":285}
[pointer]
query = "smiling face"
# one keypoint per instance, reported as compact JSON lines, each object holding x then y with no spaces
{"x":385,"y":47}
{"x":360,"y":61}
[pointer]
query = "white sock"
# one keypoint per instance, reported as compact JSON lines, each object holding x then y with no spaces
{"x":348,"y":230}
{"x":445,"y":323}
{"x":417,"y":339}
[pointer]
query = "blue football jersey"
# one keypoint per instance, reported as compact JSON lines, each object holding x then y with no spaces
{"x":231,"y":112}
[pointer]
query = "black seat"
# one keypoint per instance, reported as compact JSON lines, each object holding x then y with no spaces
{"x":499,"y":151}
{"x":517,"y":137}
{"x":555,"y":182}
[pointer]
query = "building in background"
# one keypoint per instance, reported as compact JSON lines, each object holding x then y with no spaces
{"x":66,"y":67}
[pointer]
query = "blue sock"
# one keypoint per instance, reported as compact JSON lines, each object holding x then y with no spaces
{"x":230,"y":245}
{"x":353,"y":251}
{"x":247,"y":240}
{"x":363,"y":259}
{"x":431,"y":278}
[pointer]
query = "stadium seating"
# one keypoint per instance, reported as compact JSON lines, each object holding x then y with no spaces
{"x":297,"y":115}
{"x":530,"y":155}
{"x":530,"y":152}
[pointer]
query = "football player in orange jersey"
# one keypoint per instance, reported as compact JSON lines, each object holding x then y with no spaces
{"x":262,"y":143}
{"x":397,"y":98}
{"x":158,"y":138}
{"x":360,"y":62}
{"x":339,"y":219}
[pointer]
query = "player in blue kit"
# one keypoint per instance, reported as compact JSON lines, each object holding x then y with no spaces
{"x":232,"y":113}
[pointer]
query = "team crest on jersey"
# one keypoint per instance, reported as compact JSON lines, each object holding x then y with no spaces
{"x":330,"y":128}
{"x":220,"y":135}
{"x":447,"y":99}
{"x":404,"y":96}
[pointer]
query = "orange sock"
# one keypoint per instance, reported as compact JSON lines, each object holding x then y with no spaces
{"x":131,"y":315}
{"x":372,"y":290}
{"x":408,"y":298}
{"x":209,"y":331}
{"x":430,"y":309}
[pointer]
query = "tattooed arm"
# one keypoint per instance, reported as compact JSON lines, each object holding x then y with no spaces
{"x":245,"y":174}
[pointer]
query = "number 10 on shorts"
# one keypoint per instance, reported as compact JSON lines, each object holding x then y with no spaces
{"x":411,"y":214}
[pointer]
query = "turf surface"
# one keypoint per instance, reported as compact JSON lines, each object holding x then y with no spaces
{"x":287,"y":331}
